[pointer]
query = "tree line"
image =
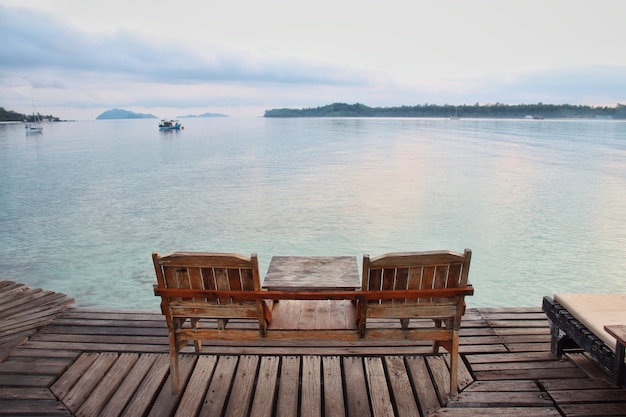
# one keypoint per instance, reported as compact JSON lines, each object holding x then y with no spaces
{"x":13,"y":116}
{"x":497,"y":110}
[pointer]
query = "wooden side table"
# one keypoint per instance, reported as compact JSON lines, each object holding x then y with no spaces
{"x":311,"y":273}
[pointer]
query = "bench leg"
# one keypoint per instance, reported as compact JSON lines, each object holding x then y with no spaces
{"x":618,"y":365}
{"x":454,"y":364}
{"x":558,"y":340}
{"x":195,"y":323}
{"x":436,"y":343}
{"x":174,"y":365}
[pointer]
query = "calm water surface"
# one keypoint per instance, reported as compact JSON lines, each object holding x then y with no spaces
{"x":542,"y":204}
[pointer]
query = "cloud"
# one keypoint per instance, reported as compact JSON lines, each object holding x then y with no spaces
{"x":592,"y":85}
{"x":37,"y":41}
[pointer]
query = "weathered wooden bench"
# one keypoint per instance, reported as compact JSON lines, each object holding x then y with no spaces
{"x":195,"y":287}
{"x":581,"y":321}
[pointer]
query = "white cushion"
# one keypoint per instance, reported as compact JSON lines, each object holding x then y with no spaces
{"x":595,"y":311}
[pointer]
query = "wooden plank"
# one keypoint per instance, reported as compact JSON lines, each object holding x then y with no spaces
{"x":589,"y":395}
{"x":88,"y":381}
{"x":529,"y":374}
{"x":262,"y":404}
{"x":424,"y":388}
{"x":69,"y":378}
{"x":378,"y":388}
{"x":514,"y":385}
{"x":588,"y":366}
{"x":120,"y":329}
{"x":196,"y":389}
{"x":334,"y":404}
{"x":465,"y":377}
{"x":106,"y":386}
{"x":308,"y":315}
{"x":581,"y":383}
{"x":32,"y":352}
{"x":311,"y":391}
{"x":440,"y":376}
{"x":286,"y":315}
{"x":32,"y":369}
{"x":595,"y":409}
{"x":101,"y":339}
{"x":99,"y":347}
{"x":140,"y":404}
{"x":243,"y":387}
{"x":165,"y":404}
{"x":27,"y":393}
{"x":125,"y":391}
{"x":401,"y":387}
{"x":522,"y":365}
{"x":16,"y":380}
{"x":498,"y":412}
{"x":287,"y":401}
{"x":44,"y":408}
{"x":357,"y":399}
{"x":511,"y":357}
{"x":39,"y":360}
{"x":500,"y":399}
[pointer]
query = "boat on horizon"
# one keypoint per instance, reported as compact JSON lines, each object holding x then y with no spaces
{"x":35,"y":125}
{"x":170,"y":125}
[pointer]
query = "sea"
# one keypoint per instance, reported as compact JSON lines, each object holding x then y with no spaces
{"x":541,"y":203}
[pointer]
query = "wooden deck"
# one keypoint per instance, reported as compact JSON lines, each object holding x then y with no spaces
{"x":114,"y":363}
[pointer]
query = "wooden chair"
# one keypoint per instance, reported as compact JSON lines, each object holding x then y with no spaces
{"x":433,"y":270}
{"x":182,"y":271}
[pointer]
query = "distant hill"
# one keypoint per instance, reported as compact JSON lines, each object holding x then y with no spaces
{"x":124,"y":114}
{"x":203,"y":115}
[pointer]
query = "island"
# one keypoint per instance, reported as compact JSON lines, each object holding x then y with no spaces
{"x":115,"y":114}
{"x":191,"y":116}
{"x":497,"y":110}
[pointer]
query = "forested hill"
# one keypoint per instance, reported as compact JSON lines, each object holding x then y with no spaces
{"x":497,"y":110}
{"x":13,"y":116}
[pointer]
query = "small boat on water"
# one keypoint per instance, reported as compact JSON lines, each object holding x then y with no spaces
{"x":30,"y":128}
{"x":35,"y":125}
{"x":534,"y":117}
{"x":170,"y":125}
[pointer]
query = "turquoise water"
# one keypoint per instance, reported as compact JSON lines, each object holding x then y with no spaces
{"x":542,"y":204}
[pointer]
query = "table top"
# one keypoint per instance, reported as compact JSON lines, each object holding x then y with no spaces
{"x":311,"y":273}
{"x":618,"y":332}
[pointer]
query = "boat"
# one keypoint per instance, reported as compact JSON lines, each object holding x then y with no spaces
{"x":456,"y":115}
{"x":35,"y":126}
{"x":170,"y":125}
{"x":534,"y":117}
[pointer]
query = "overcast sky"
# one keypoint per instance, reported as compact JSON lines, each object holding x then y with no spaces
{"x":78,"y":58}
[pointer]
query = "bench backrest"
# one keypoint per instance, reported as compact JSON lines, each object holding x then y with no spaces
{"x":208,"y":271}
{"x":416,"y":271}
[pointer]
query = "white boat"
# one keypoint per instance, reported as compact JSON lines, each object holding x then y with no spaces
{"x":35,"y":125}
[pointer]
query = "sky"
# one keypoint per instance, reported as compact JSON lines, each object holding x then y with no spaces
{"x":75,"y":59}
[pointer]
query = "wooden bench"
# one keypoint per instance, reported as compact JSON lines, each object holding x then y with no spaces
{"x":593,"y":323}
{"x":197,"y":286}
